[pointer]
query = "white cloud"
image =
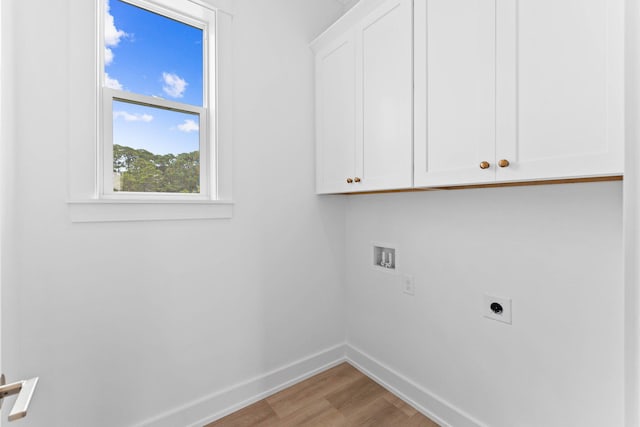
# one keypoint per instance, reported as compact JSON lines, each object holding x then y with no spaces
{"x":174,"y":85}
{"x":189,"y":126}
{"x":111,"y":83}
{"x":108,"y":56}
{"x":112,"y":35}
{"x":132,"y":117}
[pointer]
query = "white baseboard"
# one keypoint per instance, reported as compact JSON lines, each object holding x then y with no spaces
{"x":432,"y":406}
{"x":215,"y":406}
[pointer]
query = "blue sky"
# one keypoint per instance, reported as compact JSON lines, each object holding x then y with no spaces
{"x":153,"y":55}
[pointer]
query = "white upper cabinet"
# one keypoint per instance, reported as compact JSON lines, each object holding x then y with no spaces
{"x":560,"y":88}
{"x":455,"y":88}
{"x":518,"y":90}
{"x":335,"y":115}
{"x":435,"y":93}
{"x":384,"y":98}
{"x":364,"y":99}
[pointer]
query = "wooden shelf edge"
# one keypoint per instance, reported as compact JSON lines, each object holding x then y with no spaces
{"x":497,"y":185}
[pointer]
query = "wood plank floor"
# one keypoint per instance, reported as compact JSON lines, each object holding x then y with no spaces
{"x":339,"y":397}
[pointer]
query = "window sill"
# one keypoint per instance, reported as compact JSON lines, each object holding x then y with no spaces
{"x":147,"y":210}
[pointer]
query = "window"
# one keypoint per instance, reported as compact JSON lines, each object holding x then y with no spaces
{"x":150,"y":120}
{"x":158,"y":125}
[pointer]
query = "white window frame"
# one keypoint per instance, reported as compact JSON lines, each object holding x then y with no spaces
{"x":207,"y":158}
{"x":207,"y":143}
{"x":87,"y":201}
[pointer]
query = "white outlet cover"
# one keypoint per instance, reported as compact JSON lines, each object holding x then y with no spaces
{"x":504,"y":316}
{"x":408,"y":284}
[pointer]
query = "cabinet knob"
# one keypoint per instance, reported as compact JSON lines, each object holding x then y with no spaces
{"x":357,"y":179}
{"x":484,"y":165}
{"x":504,"y":163}
{"x":349,"y":181}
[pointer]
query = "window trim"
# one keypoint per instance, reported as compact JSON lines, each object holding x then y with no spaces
{"x":90,"y":211}
{"x":207,"y":121}
{"x":84,"y":202}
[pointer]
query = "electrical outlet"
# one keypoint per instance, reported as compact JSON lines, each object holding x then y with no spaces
{"x":497,"y":308}
{"x":408,"y":284}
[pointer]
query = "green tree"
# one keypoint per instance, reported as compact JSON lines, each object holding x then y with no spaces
{"x":143,"y":171}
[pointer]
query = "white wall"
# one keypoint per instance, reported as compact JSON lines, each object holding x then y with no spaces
{"x":125,"y":321}
{"x":632,"y":214}
{"x":555,"y":250}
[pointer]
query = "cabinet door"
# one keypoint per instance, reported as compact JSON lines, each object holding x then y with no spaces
{"x":560,"y":88}
{"x":454,"y":91}
{"x":384,"y":92}
{"x":335,"y":116}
